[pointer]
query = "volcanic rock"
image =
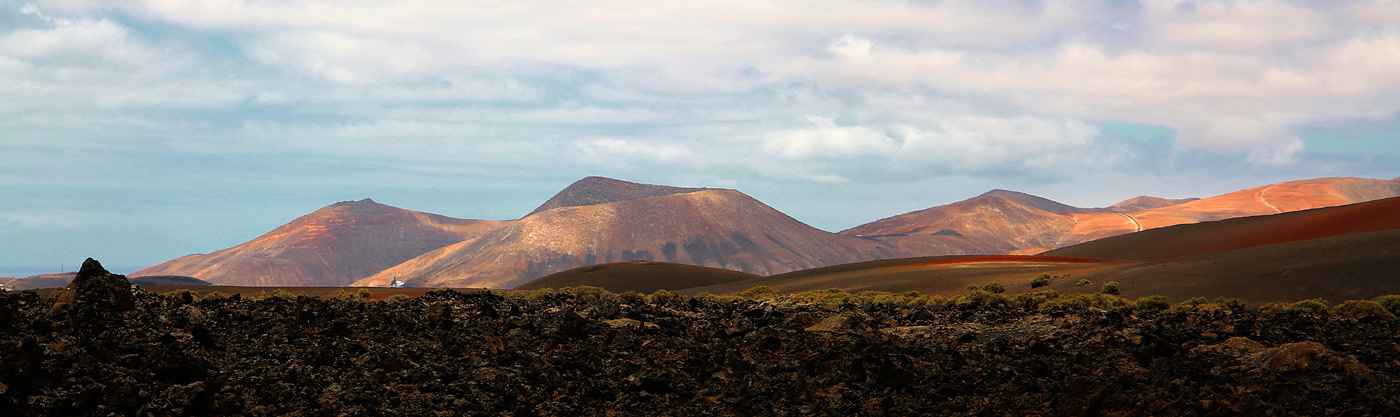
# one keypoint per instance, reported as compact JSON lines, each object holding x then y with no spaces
{"x":95,"y":296}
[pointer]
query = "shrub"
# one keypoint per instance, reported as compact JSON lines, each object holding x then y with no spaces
{"x":664,"y":297}
{"x":973,"y":287}
{"x":1314,"y":306}
{"x":759,"y":293}
{"x":586,"y":293}
{"x":396,"y":298}
{"x":1082,"y":283}
{"x":1040,"y":280}
{"x":632,"y":297}
{"x":994,"y":288}
{"x":364,"y":293}
{"x":1272,"y":308}
{"x":1193,"y":304}
{"x":215,"y":295}
{"x":1232,"y":304}
{"x":984,"y":298}
{"x":1362,"y":308}
{"x":1032,"y":301}
{"x":1082,"y":301}
{"x":1111,"y":288}
{"x":1153,"y":302}
{"x":1390,"y":302}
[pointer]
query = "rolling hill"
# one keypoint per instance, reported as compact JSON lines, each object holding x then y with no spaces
{"x":333,"y":246}
{"x":717,"y":228}
{"x":1004,"y":222}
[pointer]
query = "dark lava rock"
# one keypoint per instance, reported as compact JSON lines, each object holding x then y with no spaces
{"x":453,"y":353}
{"x":95,"y":297}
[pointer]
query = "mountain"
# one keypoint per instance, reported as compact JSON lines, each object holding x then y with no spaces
{"x":52,"y":280}
{"x":709,"y":227}
{"x":1334,"y":253}
{"x":1144,"y":202}
{"x":1001,"y":222}
{"x":641,"y":276}
{"x":333,"y":246}
{"x":1243,"y":232}
{"x":600,"y":190}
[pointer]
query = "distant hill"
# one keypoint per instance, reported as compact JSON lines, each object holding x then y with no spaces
{"x":1335,"y":253}
{"x":168,"y":280}
{"x":712,"y":227}
{"x":54,"y":280}
{"x":1003,"y":222}
{"x":1238,"y":233}
{"x":600,"y":190}
{"x":333,"y":246}
{"x":641,"y":276}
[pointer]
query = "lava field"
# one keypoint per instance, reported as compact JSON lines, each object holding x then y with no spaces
{"x":103,"y":347}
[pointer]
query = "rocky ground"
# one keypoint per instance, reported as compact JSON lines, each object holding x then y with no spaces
{"x":102,"y":348}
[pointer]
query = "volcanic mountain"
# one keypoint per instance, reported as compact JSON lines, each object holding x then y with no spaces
{"x":1001,"y":222}
{"x":717,"y":228}
{"x":333,"y":246}
{"x":1334,"y":253}
{"x":641,"y":276}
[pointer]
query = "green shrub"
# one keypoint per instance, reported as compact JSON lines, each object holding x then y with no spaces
{"x":973,"y":287}
{"x":1111,"y":288}
{"x":396,"y":298}
{"x":1272,"y":308}
{"x":1193,"y":304}
{"x":1040,"y":280}
{"x":994,"y":288}
{"x":1390,"y":302}
{"x":1082,"y":283}
{"x":1153,"y":302}
{"x":1314,"y":306}
{"x":1362,"y":308}
{"x":664,"y":297}
{"x":364,"y":293}
{"x":215,"y":295}
{"x":984,"y":298}
{"x":1032,"y":301}
{"x":1231,"y":304}
{"x":632,"y":297}
{"x":1082,"y":301}
{"x":759,"y":293}
{"x":586,"y":293}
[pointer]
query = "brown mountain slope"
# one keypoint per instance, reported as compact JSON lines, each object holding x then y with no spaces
{"x":1243,"y":232}
{"x":1144,"y":202}
{"x":991,"y":225}
{"x":333,"y":246}
{"x":640,"y":276}
{"x":996,"y":222}
{"x":716,"y":228}
{"x":600,"y":190}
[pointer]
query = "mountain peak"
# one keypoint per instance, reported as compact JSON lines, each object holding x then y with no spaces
{"x":600,"y":190}
{"x":1037,"y":202}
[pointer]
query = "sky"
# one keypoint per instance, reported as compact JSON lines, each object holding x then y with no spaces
{"x":138,"y":131}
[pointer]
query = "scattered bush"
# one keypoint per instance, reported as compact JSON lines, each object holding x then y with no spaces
{"x":1040,"y":280}
{"x":1082,"y":283}
{"x":364,"y":293}
{"x":1390,"y":302}
{"x":1313,"y":306}
{"x":396,"y":298}
{"x":1234,"y":305}
{"x":1153,"y":302}
{"x":1080,"y":301}
{"x":1032,"y":301}
{"x":1272,"y":308}
{"x":1193,"y":304}
{"x":1111,"y":288}
{"x":586,"y":293}
{"x":994,"y":288}
{"x":632,"y":297}
{"x":759,"y":293}
{"x":1362,"y":308}
{"x":973,"y":287}
{"x":664,"y":297}
{"x":215,"y":295}
{"x":983,"y":298}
